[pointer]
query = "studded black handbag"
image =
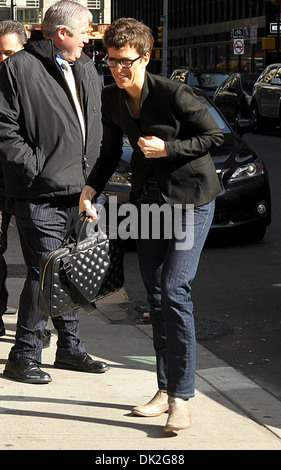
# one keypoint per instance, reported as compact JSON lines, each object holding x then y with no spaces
{"x":80,"y":273}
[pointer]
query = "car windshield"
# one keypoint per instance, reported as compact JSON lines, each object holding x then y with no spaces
{"x":215,"y":115}
{"x":205,"y":79}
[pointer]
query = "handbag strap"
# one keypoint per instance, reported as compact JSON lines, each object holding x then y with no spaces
{"x":75,"y":294}
{"x":82,"y":219}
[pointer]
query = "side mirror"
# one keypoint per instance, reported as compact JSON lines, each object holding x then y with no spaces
{"x":244,"y":125}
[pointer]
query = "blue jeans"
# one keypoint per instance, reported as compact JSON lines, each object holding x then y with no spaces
{"x":42,"y":225}
{"x":167,"y":273}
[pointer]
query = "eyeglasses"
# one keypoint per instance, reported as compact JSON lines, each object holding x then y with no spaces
{"x":125,"y":63}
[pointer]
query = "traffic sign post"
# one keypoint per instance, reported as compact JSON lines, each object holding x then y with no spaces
{"x":238,"y":46}
{"x":253,"y":34}
{"x":238,"y":41}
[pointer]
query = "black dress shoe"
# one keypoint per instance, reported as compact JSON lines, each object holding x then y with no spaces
{"x":27,"y":371}
{"x":81,"y":362}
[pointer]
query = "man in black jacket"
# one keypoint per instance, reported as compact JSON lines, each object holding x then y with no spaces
{"x":47,"y":142}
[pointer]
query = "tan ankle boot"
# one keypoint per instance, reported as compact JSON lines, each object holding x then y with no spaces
{"x":179,"y":415}
{"x":155,"y":407}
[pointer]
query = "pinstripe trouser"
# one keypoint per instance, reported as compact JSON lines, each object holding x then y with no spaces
{"x":42,"y":225}
{"x":4,"y":225}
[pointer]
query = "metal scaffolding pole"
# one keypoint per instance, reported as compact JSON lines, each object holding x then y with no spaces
{"x":13,"y":10}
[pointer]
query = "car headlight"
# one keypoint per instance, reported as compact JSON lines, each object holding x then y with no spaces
{"x":247,"y":171}
{"x":119,"y":180}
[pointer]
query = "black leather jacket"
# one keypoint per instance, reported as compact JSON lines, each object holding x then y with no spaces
{"x":41,"y":143}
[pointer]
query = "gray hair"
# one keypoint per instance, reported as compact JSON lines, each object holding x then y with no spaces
{"x":65,"y":13}
{"x":13,"y":27}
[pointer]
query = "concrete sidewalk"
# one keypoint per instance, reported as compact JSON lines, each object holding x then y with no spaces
{"x":79,"y":411}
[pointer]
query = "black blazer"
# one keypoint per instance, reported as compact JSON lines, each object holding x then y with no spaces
{"x":171,"y":111}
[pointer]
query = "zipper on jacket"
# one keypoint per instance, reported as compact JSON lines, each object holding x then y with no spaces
{"x":85,"y":165}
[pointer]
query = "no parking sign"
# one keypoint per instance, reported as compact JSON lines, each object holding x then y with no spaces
{"x":238,"y":46}
{"x":238,"y":41}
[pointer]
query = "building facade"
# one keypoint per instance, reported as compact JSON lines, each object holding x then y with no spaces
{"x":201,"y":33}
{"x":32,"y":11}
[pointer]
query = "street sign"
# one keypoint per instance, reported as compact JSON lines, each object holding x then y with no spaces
{"x":238,"y":33}
{"x":238,"y":46}
{"x":273,"y":27}
{"x":253,"y":34}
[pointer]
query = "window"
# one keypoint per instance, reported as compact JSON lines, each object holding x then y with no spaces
{"x":96,"y":16}
{"x":278,"y":73}
{"x":30,"y":15}
{"x":268,"y":74}
{"x":93,"y":4}
{"x":32,"y":3}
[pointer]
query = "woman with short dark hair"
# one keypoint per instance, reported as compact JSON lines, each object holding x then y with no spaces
{"x":171,"y":134}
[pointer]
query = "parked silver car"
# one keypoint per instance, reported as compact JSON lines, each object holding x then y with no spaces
{"x":266,"y":98}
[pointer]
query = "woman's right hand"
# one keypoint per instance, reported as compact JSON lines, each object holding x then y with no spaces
{"x":85,"y":203}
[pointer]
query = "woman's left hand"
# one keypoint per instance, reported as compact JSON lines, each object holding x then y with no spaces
{"x":152,"y":147}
